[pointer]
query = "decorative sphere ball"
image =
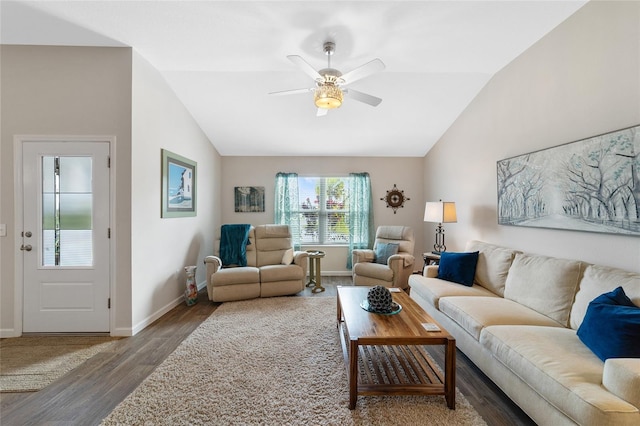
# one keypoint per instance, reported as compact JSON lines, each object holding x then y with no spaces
{"x":380,"y":300}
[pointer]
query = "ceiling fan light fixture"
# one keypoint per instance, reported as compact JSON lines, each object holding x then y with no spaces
{"x":328,"y":93}
{"x":328,"y":96}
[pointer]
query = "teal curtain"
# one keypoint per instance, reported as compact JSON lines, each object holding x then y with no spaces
{"x":361,"y":232}
{"x":286,"y":204}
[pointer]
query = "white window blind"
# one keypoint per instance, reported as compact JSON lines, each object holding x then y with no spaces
{"x":324,"y":210}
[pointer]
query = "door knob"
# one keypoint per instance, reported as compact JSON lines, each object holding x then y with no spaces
{"x":26,"y":248}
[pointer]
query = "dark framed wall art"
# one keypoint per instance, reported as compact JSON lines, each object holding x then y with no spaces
{"x":588,"y":185}
{"x":178,"y":185}
{"x":249,"y":199}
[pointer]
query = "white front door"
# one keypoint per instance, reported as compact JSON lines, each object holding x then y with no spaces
{"x":65,"y":240}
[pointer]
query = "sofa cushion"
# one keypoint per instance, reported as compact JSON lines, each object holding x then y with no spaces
{"x":458,"y":267}
{"x":273,"y":273}
{"x":231,"y":276}
{"x":562,"y":370}
{"x":622,"y":377}
{"x":544,"y":284}
{"x":271,"y":242}
{"x":611,"y":327}
{"x":473,"y":313}
{"x":433,"y":289}
{"x":287,"y":257}
{"x":384,"y":251}
{"x":493,"y":265}
{"x":598,"y":280}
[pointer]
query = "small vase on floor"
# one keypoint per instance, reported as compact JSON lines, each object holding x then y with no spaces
{"x":191,"y":293}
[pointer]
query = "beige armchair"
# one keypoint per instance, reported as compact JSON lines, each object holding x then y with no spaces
{"x":370,"y":267}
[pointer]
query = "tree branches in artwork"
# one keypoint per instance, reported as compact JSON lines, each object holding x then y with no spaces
{"x":588,"y":185}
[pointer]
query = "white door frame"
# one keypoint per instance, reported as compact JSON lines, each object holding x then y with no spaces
{"x":18,"y":141}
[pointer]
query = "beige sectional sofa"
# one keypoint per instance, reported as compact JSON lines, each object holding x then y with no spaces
{"x":273,"y":268}
{"x":518,"y":324}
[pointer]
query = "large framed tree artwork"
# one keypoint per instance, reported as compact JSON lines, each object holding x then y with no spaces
{"x":588,"y":185}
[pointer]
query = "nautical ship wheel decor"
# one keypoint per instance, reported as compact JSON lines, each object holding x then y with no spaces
{"x":395,"y":198}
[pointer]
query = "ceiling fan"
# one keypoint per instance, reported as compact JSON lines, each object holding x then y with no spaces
{"x":330,"y":83}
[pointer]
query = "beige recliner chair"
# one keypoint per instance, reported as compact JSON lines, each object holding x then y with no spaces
{"x":273,"y":268}
{"x":390,"y":263}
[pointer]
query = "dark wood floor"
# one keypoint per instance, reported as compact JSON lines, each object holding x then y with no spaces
{"x":90,"y":392}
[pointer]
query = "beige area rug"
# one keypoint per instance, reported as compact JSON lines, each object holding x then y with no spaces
{"x":270,"y":361}
{"x":29,"y":364}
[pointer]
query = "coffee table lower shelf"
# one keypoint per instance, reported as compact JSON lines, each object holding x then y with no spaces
{"x":392,"y":370}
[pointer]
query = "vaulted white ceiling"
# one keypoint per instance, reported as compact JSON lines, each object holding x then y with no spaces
{"x":222,"y":58}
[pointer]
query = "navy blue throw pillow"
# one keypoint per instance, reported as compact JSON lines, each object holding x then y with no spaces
{"x":458,"y":267}
{"x":611,"y":326}
{"x":384,"y":251}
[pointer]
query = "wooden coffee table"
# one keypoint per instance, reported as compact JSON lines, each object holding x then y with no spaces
{"x":384,"y":354}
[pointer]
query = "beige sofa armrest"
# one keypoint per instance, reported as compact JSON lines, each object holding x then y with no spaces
{"x":214,"y":263}
{"x":621,"y":377}
{"x":362,"y":256}
{"x":430,"y":271}
{"x":401,"y":265}
{"x":300,"y":258}
{"x":407,"y":259}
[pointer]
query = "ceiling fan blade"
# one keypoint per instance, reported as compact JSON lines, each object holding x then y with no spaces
{"x":292,"y":92}
{"x":362,"y":97}
{"x":304,"y":66}
{"x":322,"y":112}
{"x":363,"y":71}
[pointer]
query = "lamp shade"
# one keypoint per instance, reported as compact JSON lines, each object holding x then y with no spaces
{"x":440,"y":212}
{"x":328,"y":96}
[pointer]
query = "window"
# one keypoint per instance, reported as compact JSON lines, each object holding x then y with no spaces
{"x":324,"y":210}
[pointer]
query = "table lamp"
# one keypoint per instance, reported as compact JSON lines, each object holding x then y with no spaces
{"x":440,"y":212}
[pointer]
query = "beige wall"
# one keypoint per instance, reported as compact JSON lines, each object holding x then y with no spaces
{"x":385,"y":172}
{"x":581,"y":80}
{"x":64,"y":91}
{"x":163,"y":246}
{"x":75,"y":91}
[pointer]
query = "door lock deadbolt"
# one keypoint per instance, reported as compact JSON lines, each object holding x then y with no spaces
{"x":28,"y":234}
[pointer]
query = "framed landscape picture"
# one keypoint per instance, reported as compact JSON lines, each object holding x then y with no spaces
{"x":589,"y":185}
{"x":178,"y":185}
{"x":249,"y":199}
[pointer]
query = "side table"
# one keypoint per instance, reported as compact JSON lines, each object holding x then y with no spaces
{"x":315,"y":279}
{"x":430,"y":258}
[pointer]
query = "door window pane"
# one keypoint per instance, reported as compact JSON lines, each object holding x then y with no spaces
{"x":67,"y":211}
{"x":75,"y":174}
{"x":48,"y":175}
{"x":75,"y":211}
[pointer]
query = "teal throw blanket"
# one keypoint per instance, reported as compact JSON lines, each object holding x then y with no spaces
{"x":233,"y":244}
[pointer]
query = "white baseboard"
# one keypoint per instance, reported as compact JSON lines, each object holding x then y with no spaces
{"x":335,"y":273}
{"x":121,"y":332}
{"x":157,"y":314}
{"x":8,"y":332}
{"x":160,"y":312}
